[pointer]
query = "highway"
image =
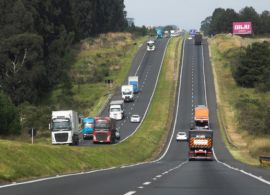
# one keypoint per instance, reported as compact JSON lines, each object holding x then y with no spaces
{"x":172,"y":173}
{"x":145,"y":65}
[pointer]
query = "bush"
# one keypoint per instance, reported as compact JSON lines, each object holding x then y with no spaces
{"x":9,"y":117}
{"x":254,"y":67}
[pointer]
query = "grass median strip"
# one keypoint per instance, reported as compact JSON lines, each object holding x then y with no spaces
{"x":24,"y":161}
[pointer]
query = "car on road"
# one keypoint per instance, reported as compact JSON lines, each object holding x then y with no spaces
{"x":181,"y":136}
{"x":135,"y":118}
{"x":190,"y":38}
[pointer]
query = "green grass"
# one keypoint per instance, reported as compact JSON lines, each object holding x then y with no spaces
{"x":244,"y":147}
{"x":24,"y":161}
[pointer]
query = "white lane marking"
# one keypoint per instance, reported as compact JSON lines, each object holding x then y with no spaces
{"x":55,"y":177}
{"x":140,"y":187}
{"x":241,"y":171}
{"x":158,"y":176}
{"x":154,"y":179}
{"x":130,"y":193}
{"x":204,"y":79}
{"x":147,"y":183}
{"x":177,"y":107}
{"x":150,"y":97}
{"x":140,"y":64}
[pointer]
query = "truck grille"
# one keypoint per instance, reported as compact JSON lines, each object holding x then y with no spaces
{"x":101,"y":137}
{"x":61,"y":137}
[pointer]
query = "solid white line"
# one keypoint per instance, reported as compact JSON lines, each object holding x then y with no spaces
{"x":241,"y":171}
{"x":130,"y":193}
{"x":140,"y":64}
{"x":204,"y":79}
{"x":177,"y":107}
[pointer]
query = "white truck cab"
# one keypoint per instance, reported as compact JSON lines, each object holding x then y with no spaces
{"x":127,"y":93}
{"x":151,"y":45}
{"x":65,"y":127}
{"x":116,"y":109}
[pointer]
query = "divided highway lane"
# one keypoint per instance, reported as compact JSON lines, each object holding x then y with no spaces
{"x":146,"y":66}
{"x":172,"y":173}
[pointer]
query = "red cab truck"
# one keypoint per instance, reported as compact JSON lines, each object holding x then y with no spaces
{"x":104,"y":130}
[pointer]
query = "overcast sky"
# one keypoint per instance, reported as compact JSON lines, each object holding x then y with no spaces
{"x":185,"y":14}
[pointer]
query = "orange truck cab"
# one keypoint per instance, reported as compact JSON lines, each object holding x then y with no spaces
{"x":201,"y":116}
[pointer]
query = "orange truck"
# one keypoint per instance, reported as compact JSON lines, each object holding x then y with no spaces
{"x":200,"y":144}
{"x":201,"y":116}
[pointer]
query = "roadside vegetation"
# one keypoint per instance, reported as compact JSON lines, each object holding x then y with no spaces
{"x":40,"y":160}
{"x":241,"y":68}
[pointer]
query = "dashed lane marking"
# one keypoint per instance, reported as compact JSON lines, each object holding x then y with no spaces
{"x":130,"y":193}
{"x":146,"y":183}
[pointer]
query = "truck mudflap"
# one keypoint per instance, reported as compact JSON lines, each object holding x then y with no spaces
{"x":200,"y":155}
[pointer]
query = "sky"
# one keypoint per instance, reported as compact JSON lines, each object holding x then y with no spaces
{"x":186,"y":14}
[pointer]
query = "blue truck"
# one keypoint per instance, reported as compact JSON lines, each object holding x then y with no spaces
{"x":88,"y":127}
{"x":159,"y":32}
{"x":134,"y":80}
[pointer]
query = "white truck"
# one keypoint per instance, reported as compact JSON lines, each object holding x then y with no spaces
{"x":127,"y":93}
{"x":116,"y":109}
{"x":134,"y":80}
{"x":151,"y":45}
{"x":65,"y":128}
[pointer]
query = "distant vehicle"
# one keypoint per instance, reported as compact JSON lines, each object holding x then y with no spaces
{"x":200,"y":144}
{"x":65,"y":127}
{"x":167,"y":34}
{"x":88,"y":127}
{"x":116,"y":109}
{"x":181,"y":136}
{"x":198,"y":39}
{"x":127,"y":93}
{"x":105,"y":130}
{"x":151,"y":46}
{"x":135,"y":118}
{"x":201,"y":117}
{"x":159,"y":32}
{"x":190,"y":38}
{"x":134,"y":80}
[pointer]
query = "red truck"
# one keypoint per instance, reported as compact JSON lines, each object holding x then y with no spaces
{"x":105,"y":130}
{"x":200,"y":144}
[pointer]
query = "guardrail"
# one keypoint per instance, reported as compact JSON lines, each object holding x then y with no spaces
{"x":264,"y":160}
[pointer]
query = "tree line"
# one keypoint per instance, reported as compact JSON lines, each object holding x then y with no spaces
{"x":35,"y":41}
{"x":222,"y":19}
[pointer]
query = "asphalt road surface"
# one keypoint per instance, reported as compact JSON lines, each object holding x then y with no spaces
{"x":172,"y":173}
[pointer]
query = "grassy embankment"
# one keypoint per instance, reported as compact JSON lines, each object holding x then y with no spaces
{"x":243,"y":146}
{"x":24,"y":161}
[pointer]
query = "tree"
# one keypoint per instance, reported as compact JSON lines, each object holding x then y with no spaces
{"x":254,"y":67}
{"x":249,"y":14}
{"x":9,"y":118}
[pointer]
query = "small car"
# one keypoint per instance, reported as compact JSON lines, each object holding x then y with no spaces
{"x":181,"y":136}
{"x":135,"y":118}
{"x":190,"y":37}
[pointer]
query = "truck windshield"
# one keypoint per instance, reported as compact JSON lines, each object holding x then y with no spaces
{"x":115,"y":110}
{"x":150,"y":44}
{"x":101,"y":125}
{"x":89,"y":125}
{"x":61,"y":125}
